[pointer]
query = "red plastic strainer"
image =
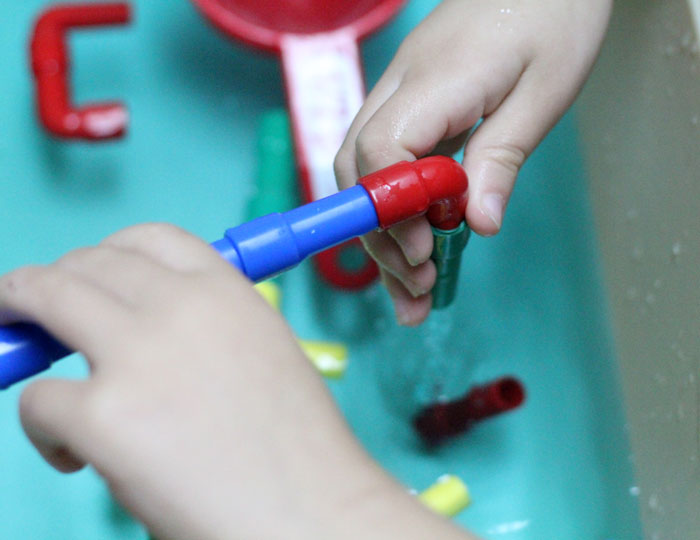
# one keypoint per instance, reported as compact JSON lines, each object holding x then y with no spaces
{"x":317,"y":41}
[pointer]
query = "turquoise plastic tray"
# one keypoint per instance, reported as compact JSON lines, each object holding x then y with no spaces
{"x":530,"y":301}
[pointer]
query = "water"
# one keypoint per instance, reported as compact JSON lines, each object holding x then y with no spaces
{"x":442,"y":371}
{"x":429,"y":363}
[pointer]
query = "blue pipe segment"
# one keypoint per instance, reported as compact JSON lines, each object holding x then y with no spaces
{"x":274,"y":243}
{"x":260,"y":249}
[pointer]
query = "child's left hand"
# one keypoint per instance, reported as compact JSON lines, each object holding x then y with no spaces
{"x":201,"y":413}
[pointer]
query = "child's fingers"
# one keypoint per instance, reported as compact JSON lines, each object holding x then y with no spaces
{"x":413,"y":121}
{"x":168,"y":245}
{"x":77,"y":312}
{"x":409,"y":310}
{"x":415,"y":239}
{"x":417,"y":279}
{"x":127,"y":274}
{"x":345,"y":164}
{"x":449,"y":147}
{"x":49,"y":410}
{"x":499,"y":146}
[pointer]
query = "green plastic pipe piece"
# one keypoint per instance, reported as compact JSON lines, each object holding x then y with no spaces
{"x":275,"y":183}
{"x":448,"y":246}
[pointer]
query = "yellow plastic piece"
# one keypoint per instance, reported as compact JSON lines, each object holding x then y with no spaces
{"x":447,"y":497}
{"x":331,"y":359}
{"x":271,"y":292}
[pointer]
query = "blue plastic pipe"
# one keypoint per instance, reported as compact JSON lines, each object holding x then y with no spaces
{"x":259,"y":249}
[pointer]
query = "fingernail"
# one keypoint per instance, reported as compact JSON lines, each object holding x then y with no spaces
{"x":492,"y":205}
{"x":403,"y":312}
{"x":414,"y":288}
{"x":413,"y":260}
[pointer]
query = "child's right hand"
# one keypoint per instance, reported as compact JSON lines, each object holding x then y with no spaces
{"x":201,"y":413}
{"x":518,"y":64}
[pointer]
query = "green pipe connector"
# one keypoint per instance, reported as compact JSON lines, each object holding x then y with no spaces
{"x":275,"y":180}
{"x":448,"y":246}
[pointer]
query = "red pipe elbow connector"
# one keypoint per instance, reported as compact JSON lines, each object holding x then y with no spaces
{"x":441,"y":421}
{"x":434,"y":185}
{"x":50,"y":64}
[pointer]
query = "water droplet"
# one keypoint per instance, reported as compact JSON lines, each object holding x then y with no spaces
{"x":632,"y":293}
{"x":694,"y":120}
{"x":657,"y":283}
{"x":676,"y":249}
{"x":653,"y":502}
{"x":634,"y":491}
{"x":650,"y":299}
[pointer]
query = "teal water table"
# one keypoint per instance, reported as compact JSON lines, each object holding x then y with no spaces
{"x":557,"y":468}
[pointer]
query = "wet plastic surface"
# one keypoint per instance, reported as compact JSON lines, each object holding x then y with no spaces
{"x":529,"y":303}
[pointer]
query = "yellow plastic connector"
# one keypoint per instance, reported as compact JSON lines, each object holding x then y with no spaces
{"x":447,"y":497}
{"x":270,"y":292}
{"x":330,"y":359}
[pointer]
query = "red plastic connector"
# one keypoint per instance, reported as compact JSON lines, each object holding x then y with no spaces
{"x":436,"y":185}
{"x":50,"y":64}
{"x":441,"y":421}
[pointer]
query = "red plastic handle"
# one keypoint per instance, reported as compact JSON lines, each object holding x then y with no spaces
{"x":50,"y":64}
{"x":331,"y":267}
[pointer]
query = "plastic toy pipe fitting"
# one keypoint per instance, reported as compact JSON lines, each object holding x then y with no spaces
{"x":329,"y":358}
{"x":275,"y":179}
{"x":447,"y":256}
{"x":439,"y":180}
{"x":434,"y":185}
{"x":271,"y":244}
{"x":447,"y":497}
{"x":442,"y":421}
{"x":50,"y":64}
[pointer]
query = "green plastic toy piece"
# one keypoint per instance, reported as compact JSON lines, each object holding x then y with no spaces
{"x":447,"y":255}
{"x":275,"y":183}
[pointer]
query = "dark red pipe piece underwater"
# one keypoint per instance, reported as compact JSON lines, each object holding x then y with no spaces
{"x":442,"y":421}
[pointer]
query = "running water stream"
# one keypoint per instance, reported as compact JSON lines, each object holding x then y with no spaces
{"x":429,"y":363}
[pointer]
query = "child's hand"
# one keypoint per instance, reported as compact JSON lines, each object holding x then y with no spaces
{"x":518,"y":64}
{"x":200,"y":411}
